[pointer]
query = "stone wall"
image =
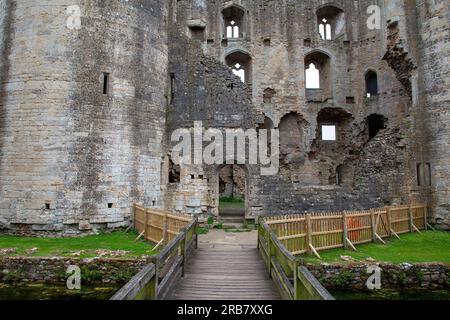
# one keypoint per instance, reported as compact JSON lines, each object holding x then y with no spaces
{"x":278,"y":37}
{"x":354,"y":276}
{"x":72,"y":157}
{"x":434,"y":90}
{"x":53,"y":270}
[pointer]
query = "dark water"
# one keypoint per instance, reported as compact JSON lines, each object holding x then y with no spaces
{"x":390,"y":294}
{"x":43,"y":291}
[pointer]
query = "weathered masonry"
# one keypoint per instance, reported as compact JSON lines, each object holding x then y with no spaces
{"x":86,"y":114}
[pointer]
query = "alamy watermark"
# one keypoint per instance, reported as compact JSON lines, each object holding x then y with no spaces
{"x":74,"y":280}
{"x":374,"y":280}
{"x":374,"y":20}
{"x":74,"y":17}
{"x":228,"y":146}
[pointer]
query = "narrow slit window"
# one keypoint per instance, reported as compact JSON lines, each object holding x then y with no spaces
{"x":419,"y":174}
{"x":339,"y":175}
{"x":429,"y":173}
{"x":172,"y":86}
{"x":105,"y":83}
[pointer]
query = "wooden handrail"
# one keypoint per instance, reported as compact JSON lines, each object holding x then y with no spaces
{"x":152,"y":284}
{"x":284,"y":269}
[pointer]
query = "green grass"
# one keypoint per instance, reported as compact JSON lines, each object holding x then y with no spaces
{"x":202,"y":230}
{"x":430,"y":246}
{"x":232,"y":200}
{"x":66,"y":247}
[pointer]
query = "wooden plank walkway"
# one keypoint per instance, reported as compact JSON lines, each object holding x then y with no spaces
{"x":225,"y":273}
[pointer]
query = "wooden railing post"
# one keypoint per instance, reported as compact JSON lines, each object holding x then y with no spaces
{"x":344,"y":224}
{"x":271,"y":253}
{"x":165,"y":229}
{"x":297,"y":287}
{"x":389,"y":224}
{"x":183,"y":252}
{"x":425,"y":217}
{"x":155,"y":281}
{"x":308,"y":233}
{"x":372,"y":220}
{"x":411,"y":221}
{"x":147,"y":216}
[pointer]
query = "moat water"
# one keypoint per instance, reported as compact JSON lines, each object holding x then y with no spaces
{"x":391,"y":294}
{"x":45,"y":291}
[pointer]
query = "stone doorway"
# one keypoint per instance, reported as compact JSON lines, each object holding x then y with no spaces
{"x":232,"y":193}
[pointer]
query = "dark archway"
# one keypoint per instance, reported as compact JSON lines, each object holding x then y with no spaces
{"x":376,"y":123}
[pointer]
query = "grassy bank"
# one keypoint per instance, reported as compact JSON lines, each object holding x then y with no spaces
{"x":430,"y":246}
{"x":109,"y":245}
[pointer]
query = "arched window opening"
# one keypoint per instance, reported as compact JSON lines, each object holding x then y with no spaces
{"x":232,"y":30}
{"x":325,"y":30}
{"x":318,"y":77}
{"x":371,"y":84}
{"x":240,"y":64}
{"x":233,"y":18}
{"x":268,"y":95}
{"x":237,"y":70}
{"x":312,"y":77}
{"x":331,"y":22}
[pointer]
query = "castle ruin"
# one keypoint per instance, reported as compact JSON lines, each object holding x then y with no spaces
{"x":87,"y":112}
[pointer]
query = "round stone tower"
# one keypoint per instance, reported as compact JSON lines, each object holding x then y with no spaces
{"x":82,"y":111}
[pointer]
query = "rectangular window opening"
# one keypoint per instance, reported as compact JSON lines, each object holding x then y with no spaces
{"x":329,"y":133}
{"x":110,"y":205}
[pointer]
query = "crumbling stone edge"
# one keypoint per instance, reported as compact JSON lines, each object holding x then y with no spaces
{"x":53,"y":269}
{"x":393,"y":276}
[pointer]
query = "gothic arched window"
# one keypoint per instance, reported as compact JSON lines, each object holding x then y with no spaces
{"x":325,"y":30}
{"x":312,"y":77}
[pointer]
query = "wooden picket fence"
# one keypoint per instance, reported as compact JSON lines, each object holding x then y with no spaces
{"x":314,"y":232}
{"x":158,"y":226}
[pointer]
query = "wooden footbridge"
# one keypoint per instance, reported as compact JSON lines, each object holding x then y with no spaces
{"x":270,"y":270}
{"x":225,"y":273}
{"x":183,"y":271}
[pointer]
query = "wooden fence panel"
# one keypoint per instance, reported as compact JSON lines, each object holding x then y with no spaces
{"x":400,"y":219}
{"x":327,"y":231}
{"x":419,"y":217}
{"x":159,"y":225}
{"x":359,"y":227}
{"x":314,"y":232}
{"x":382,"y":223}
